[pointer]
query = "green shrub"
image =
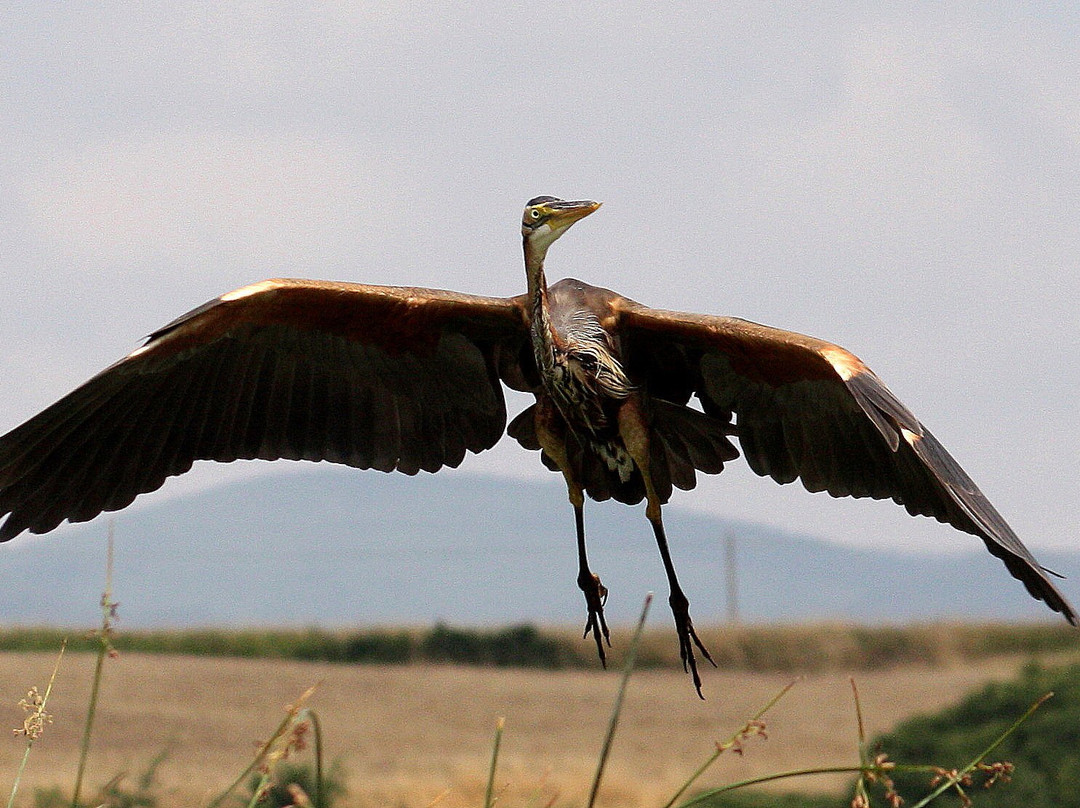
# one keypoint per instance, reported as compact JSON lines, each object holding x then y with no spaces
{"x":516,"y":646}
{"x":383,"y":647}
{"x":799,"y":648}
{"x":51,"y":797}
{"x":289,"y":774}
{"x":120,"y":792}
{"x":1045,"y":749}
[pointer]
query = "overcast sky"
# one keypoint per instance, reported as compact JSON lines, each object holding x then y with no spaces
{"x":904,"y":183}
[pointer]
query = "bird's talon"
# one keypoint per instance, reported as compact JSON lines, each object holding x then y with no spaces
{"x":688,"y":638}
{"x":595,"y":599}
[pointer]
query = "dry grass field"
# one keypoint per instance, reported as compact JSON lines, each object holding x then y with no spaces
{"x":405,"y":735}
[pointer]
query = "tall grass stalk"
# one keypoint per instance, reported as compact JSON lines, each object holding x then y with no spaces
{"x":316,"y":728}
{"x":286,"y":740}
{"x":292,"y":715}
{"x":613,"y":723}
{"x":749,"y":729}
{"x":955,"y":778}
{"x":108,"y":614}
{"x":862,"y":793}
{"x":489,"y":794}
{"x":34,"y":724}
{"x":880,"y":768}
{"x":706,"y":797}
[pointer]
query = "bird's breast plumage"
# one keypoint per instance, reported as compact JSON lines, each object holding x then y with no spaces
{"x":587,"y":383}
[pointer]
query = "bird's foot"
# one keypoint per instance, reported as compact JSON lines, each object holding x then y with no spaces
{"x":595,"y":597}
{"x":688,"y":638}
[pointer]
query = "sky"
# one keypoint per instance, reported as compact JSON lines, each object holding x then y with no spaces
{"x":901,"y":181}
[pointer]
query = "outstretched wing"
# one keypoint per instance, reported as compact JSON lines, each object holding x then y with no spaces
{"x":389,"y":378}
{"x":809,"y":410}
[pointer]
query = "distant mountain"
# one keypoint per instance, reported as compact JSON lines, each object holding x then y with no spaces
{"x":330,"y":546}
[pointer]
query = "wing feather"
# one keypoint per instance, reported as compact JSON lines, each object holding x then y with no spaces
{"x":807,"y":409}
{"x":391,"y":378}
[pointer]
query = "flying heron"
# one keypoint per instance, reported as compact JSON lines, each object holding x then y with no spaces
{"x":404,"y":379}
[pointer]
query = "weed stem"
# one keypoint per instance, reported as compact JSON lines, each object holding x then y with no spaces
{"x":631,"y":657}
{"x":954,"y":780}
{"x":33,"y":732}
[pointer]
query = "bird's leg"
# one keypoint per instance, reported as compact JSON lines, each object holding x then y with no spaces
{"x":635,"y":432}
{"x":589,"y":583}
{"x":680,"y":604}
{"x":549,"y":433}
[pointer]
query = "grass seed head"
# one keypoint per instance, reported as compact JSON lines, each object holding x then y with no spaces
{"x":37,"y":716}
{"x":297,"y":739}
{"x":753,"y":728}
{"x":1000,"y":771}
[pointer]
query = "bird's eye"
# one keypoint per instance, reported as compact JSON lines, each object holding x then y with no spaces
{"x":534,"y":214}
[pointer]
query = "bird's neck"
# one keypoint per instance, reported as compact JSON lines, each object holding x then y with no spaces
{"x":543,"y":345}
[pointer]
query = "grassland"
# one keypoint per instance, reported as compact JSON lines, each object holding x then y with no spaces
{"x":407,"y":733}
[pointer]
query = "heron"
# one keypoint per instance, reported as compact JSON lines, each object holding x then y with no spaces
{"x":630,"y":403}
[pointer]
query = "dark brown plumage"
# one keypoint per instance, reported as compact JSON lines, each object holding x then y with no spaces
{"x":397,"y":378}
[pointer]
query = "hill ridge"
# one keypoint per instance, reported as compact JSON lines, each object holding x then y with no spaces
{"x":321,"y":545}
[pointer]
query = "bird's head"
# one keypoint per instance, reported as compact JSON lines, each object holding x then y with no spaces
{"x":546,"y":218}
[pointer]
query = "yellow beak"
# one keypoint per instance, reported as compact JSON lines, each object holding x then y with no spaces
{"x":563,"y":214}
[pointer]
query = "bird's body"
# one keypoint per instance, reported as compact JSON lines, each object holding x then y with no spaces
{"x":580,"y":371}
{"x":407,"y":379}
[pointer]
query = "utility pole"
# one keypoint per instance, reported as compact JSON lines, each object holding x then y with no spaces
{"x":731,"y":578}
